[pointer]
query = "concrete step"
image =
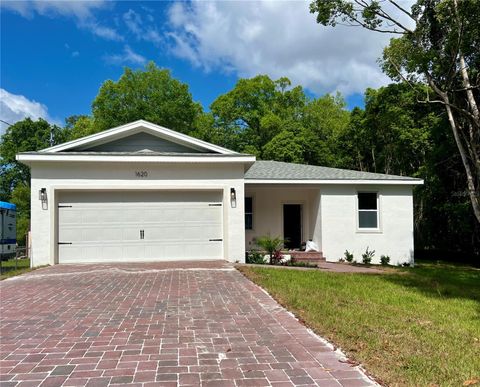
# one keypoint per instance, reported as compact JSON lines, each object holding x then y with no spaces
{"x":307,"y":257}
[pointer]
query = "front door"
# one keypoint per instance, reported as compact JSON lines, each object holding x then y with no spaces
{"x":292,"y":225}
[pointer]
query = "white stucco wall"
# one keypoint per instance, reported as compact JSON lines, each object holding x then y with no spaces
{"x":268,"y":203}
{"x":339,"y":223}
{"x":56,"y":177}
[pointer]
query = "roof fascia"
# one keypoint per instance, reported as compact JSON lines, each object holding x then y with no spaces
{"x":140,"y":125}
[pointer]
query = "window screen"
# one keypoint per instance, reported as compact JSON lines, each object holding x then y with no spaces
{"x":367,"y":210}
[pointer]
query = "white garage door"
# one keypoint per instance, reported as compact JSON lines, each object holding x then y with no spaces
{"x":139,"y":226}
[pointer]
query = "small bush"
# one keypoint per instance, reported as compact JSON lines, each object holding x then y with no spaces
{"x":348,"y":256}
{"x":384,"y":260}
{"x":367,"y":256}
{"x":272,"y":246}
{"x":276,"y":258}
{"x":255,"y":257}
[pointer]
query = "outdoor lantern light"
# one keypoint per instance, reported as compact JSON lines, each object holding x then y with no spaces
{"x":42,"y":195}
{"x":233,"y":197}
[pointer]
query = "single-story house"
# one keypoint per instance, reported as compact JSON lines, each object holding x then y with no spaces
{"x":142,"y":192}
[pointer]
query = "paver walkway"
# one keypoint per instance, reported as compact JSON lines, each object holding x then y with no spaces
{"x":158,"y":324}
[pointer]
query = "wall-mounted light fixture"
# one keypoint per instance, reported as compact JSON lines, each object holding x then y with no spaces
{"x":233,"y":198}
{"x":42,"y":194}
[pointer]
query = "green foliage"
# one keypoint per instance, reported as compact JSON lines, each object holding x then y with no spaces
{"x":23,"y":136}
{"x":367,"y":256}
{"x":271,"y":245}
{"x":348,"y":256}
{"x":80,"y":126}
{"x":151,"y":94}
{"x":393,"y":133}
{"x":255,"y":257}
{"x":275,"y":121}
{"x":13,"y":267}
{"x":384,"y":260}
{"x":21,"y":197}
{"x":285,"y":146}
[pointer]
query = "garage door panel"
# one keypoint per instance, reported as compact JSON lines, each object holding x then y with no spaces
{"x":111,"y":231}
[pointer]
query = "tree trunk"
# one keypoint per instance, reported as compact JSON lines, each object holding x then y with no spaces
{"x":473,"y":192}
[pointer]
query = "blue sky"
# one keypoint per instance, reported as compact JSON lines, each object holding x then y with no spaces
{"x":55,"y":56}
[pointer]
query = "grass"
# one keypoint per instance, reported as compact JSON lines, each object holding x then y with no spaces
{"x":8,"y":268}
{"x":409,"y":327}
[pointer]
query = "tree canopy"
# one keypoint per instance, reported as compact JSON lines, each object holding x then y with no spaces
{"x":150,"y":94}
{"x":259,"y":116}
{"x":438,"y":44}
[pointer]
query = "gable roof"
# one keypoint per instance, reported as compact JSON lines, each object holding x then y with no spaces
{"x":288,"y":173}
{"x":139,"y":126}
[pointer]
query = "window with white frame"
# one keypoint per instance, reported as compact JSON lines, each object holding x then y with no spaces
{"x":367,"y":210}
{"x":248,"y":213}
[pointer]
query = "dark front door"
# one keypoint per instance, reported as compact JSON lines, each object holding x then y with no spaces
{"x":292,"y":225}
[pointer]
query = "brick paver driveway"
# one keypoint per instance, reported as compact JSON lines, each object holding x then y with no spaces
{"x":157,"y":325}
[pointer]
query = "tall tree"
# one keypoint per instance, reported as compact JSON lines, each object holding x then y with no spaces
{"x":23,"y":136}
{"x":259,"y":115}
{"x":150,"y":94}
{"x":393,"y":133}
{"x":438,"y":43}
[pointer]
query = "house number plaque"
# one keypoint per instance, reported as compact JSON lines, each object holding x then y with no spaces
{"x":141,"y":174}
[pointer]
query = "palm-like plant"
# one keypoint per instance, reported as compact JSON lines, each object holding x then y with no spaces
{"x":270,"y":245}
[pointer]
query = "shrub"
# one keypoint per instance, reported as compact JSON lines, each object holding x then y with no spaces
{"x":255,"y":257}
{"x":277,"y":257}
{"x":367,"y":256}
{"x":348,"y":256}
{"x":272,"y":246}
{"x":384,"y":260}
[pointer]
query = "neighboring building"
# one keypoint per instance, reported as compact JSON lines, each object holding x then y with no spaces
{"x":8,"y":230}
{"x":141,"y":192}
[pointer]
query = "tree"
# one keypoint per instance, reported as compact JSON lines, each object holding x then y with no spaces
{"x":393,"y":134}
{"x":21,"y":197}
{"x":273,"y":120}
{"x":23,"y":136}
{"x":255,"y":109}
{"x":438,"y":43}
{"x":151,"y":94}
{"x":79,"y":126}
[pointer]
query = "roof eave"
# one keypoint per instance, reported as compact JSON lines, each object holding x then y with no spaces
{"x":337,"y":181}
{"x":28,"y":158}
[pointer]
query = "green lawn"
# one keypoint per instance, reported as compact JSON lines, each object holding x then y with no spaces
{"x":413,"y":327}
{"x":8,"y":268}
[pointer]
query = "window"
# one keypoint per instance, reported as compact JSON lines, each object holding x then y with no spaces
{"x":367,"y":210}
{"x":248,"y":213}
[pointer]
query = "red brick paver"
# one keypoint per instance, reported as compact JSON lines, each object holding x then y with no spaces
{"x":157,"y":324}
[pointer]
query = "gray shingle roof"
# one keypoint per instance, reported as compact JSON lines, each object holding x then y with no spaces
{"x":275,"y":170}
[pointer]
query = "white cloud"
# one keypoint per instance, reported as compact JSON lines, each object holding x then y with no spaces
{"x":14,"y":107}
{"x":128,"y":56}
{"x":81,"y":11}
{"x":141,"y":29}
{"x":279,"y":39}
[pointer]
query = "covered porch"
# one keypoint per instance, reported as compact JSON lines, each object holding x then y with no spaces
{"x":280,"y":210}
